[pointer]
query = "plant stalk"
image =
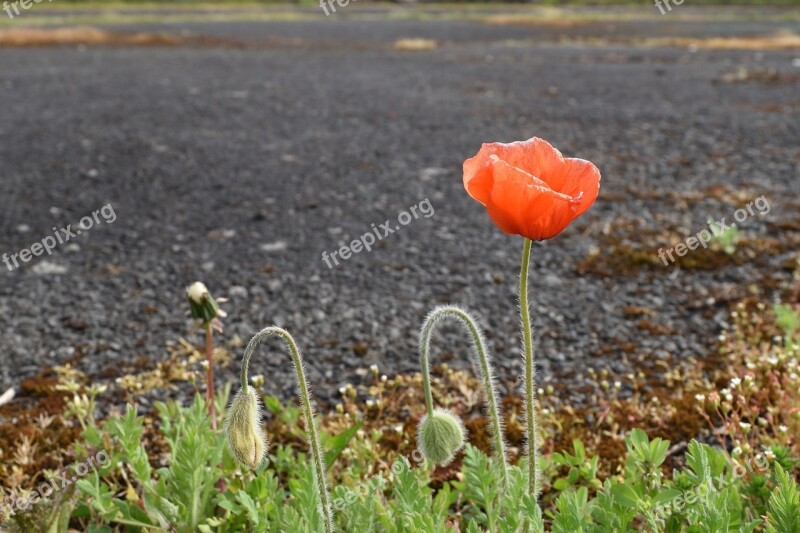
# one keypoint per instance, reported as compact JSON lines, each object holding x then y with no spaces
{"x":308,"y":412}
{"x":210,"y":396}
{"x":483,"y":360}
{"x":530,"y":374}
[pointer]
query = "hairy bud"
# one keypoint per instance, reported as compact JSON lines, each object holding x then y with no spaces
{"x":440,"y":436}
{"x":246,"y":439}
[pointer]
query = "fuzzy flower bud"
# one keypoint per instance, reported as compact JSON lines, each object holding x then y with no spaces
{"x":440,"y":436}
{"x":246,"y":439}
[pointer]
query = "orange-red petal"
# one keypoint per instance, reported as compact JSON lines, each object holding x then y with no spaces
{"x":519,"y":205}
{"x":529,"y":188}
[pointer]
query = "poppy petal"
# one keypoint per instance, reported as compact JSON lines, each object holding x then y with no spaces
{"x":575,"y":177}
{"x":478,"y":178}
{"x":521,"y":204}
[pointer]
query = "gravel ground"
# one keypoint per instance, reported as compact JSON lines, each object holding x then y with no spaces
{"x":241,"y":166}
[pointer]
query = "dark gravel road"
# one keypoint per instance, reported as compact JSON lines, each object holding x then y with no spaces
{"x":240,"y":166}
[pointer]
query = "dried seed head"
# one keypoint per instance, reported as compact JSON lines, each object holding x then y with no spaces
{"x":441,"y":435}
{"x":202,"y":305}
{"x":196,"y":292}
{"x":246,"y":439}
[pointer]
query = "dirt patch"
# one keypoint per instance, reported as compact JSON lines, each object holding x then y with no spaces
{"x":769,"y":76}
{"x":415,"y":45}
{"x":780,"y":41}
{"x":29,"y":37}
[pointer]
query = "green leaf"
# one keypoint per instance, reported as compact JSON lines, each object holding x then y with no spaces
{"x":784,"y":504}
{"x":625,"y":496}
{"x":339,"y":443}
{"x":664,"y":496}
{"x":273,"y":404}
{"x":250,"y":505}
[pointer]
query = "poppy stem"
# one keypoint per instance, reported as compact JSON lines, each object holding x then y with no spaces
{"x":530,"y":374}
{"x":484,"y":363}
{"x":312,"y":430}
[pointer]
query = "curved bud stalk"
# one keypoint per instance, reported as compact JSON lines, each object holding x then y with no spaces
{"x":438,"y":419}
{"x":245,"y":410}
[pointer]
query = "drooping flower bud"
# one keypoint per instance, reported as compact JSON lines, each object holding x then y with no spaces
{"x":440,"y":436}
{"x":246,"y":438}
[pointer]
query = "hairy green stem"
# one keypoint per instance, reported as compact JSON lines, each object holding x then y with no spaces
{"x":483,"y":360}
{"x":530,"y":373}
{"x":308,"y":412}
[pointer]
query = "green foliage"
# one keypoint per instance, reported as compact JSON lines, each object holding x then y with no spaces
{"x":724,"y":239}
{"x":197,"y":486}
{"x":788,"y":319}
{"x":784,"y":505}
{"x":582,"y":470}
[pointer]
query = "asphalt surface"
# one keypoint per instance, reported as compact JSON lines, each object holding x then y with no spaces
{"x":240,"y":165}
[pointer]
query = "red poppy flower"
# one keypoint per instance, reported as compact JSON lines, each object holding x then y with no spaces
{"x":529,"y":188}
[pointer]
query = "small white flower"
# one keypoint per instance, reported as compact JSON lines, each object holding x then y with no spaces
{"x":736,"y":451}
{"x":700,"y":397}
{"x":769,"y":455}
{"x":745,"y":426}
{"x":735,"y":382}
{"x":783,"y":429}
{"x":196,"y":292}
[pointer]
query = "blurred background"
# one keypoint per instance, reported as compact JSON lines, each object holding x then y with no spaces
{"x":236,"y":143}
